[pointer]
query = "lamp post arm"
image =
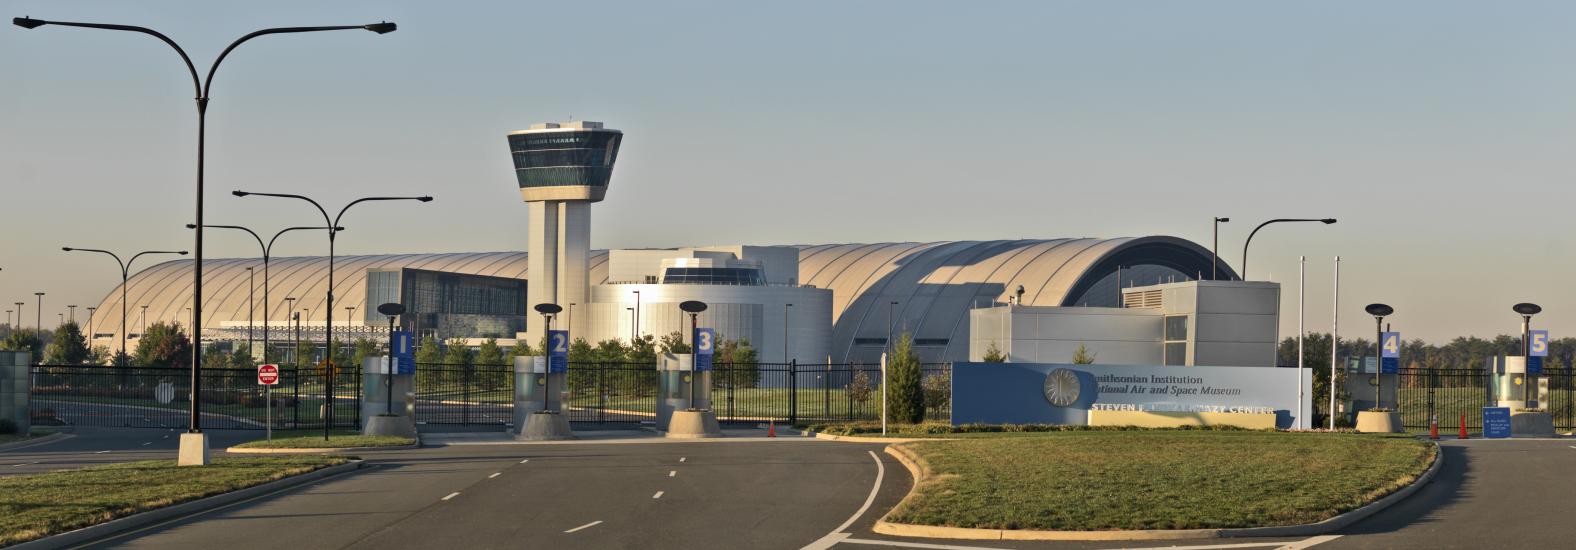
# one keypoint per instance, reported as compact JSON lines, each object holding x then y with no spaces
{"x":127,"y":267}
{"x":190,"y":68}
{"x":111,"y":254}
{"x":207,"y":85}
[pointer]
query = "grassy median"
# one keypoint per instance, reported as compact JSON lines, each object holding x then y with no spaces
{"x":337,"y":439}
{"x":1160,"y":479}
{"x":36,"y":506}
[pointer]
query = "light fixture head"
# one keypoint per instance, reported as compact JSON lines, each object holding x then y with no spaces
{"x":692,"y":306}
{"x":391,"y":309}
{"x":1379,"y":310}
{"x":239,"y":193}
{"x":1525,"y":308}
{"x":548,"y":309}
{"x":424,"y":198}
{"x":66,"y":248}
{"x":1328,"y":221}
{"x":381,"y":28}
{"x":28,"y":22}
{"x":1222,"y":220}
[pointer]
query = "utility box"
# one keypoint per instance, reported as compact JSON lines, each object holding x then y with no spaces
{"x":534,"y":389}
{"x":16,"y":389}
{"x":375,"y":391}
{"x":1511,"y":385}
{"x":676,"y":382}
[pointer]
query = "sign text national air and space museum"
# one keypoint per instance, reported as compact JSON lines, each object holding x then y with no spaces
{"x":1041,"y":393}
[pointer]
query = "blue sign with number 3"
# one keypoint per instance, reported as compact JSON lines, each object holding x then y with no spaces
{"x":705,"y":345}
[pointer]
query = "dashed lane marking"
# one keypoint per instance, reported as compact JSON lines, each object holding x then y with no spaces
{"x":451,"y":495}
{"x":672,"y":473}
{"x":525,"y":461}
{"x":681,"y":459}
{"x":100,"y":452}
{"x":495,"y":475}
{"x":658,"y":495}
{"x":592,"y":524}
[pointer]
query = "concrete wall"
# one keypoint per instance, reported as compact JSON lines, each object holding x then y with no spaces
{"x":1052,"y":334}
{"x":15,"y":389}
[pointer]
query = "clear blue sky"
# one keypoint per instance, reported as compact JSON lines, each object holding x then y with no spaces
{"x":1440,"y":133}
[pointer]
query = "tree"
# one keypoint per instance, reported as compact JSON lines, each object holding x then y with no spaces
{"x":1083,"y":357}
{"x":580,"y":351}
{"x":490,"y":353}
{"x":164,"y":345}
{"x":241,"y":357}
{"x":743,"y":363}
{"x":215,"y":357}
{"x":68,"y":347}
{"x":609,"y":351}
{"x":429,"y":352}
{"x":673,"y":342}
{"x":643,"y":350}
{"x":905,"y":394}
{"x":365,"y":348}
{"x":24,"y":340}
{"x":522,"y":348}
{"x":993,"y":354}
{"x":458,"y":354}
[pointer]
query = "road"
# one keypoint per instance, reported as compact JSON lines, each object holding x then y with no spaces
{"x":96,"y":446}
{"x":781,"y":493}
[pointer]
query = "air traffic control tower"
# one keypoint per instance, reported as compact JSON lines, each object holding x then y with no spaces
{"x":562,"y":168}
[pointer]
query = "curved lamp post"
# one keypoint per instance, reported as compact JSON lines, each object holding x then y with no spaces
{"x":267,"y":253}
{"x":1379,"y":311}
{"x":1326,"y":221}
{"x":201,"y":87}
{"x":328,"y":329}
{"x":694,"y":308}
{"x":125,"y":277}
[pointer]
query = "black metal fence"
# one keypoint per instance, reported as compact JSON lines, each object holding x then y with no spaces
{"x":464,"y":394}
{"x":1457,"y":396}
{"x":154,"y":397}
{"x":800,"y":393}
{"x":611,"y":393}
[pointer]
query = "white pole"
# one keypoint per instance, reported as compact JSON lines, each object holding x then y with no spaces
{"x":883,"y":395}
{"x":1302,"y":269}
{"x":1335,"y":324}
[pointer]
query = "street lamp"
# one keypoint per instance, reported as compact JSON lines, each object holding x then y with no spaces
{"x":267,"y":254}
{"x":39,"y":317}
{"x":890,"y":308}
{"x":693,"y":308}
{"x":1379,"y":311}
{"x":328,"y":328}
{"x":90,"y":326}
{"x":18,"y":324}
{"x":548,"y":310}
{"x":73,"y":310}
{"x":1214,"y":252}
{"x":202,"y":87}
{"x":631,"y":324}
{"x":144,"y":322}
{"x":637,"y":312}
{"x":125,"y":278}
{"x":1527,"y":310}
{"x":391,"y":310}
{"x":1326,"y":221}
{"x":786,"y":309}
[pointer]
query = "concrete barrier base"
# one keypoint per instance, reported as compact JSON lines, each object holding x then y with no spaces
{"x":1531,"y":424}
{"x":693,"y":424}
{"x":194,"y":450}
{"x":1380,"y":422}
{"x":546,"y":426}
{"x":389,"y":425}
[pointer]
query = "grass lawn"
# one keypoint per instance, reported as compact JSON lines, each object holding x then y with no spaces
{"x":337,"y":439}
{"x":36,"y":506}
{"x":1161,"y":479}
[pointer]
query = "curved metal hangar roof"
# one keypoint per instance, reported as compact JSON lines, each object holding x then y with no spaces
{"x":934,"y":284}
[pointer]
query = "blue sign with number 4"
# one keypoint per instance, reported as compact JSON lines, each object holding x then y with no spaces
{"x":1389,"y":352}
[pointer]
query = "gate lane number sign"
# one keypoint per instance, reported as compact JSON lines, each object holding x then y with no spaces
{"x":1538,"y":348}
{"x":1496,"y":422}
{"x":1390,"y":353}
{"x":705,"y":345}
{"x":267,"y":375}
{"x":557,"y":351}
{"x":402,"y":346}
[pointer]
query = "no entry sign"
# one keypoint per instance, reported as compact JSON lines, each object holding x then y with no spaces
{"x":268,"y":375}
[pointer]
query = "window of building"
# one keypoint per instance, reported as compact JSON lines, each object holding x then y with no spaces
{"x":1176,"y":340}
{"x":741,"y":276}
{"x":870,"y":341}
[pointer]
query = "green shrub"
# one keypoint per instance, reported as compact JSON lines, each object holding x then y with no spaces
{"x":905,"y":390}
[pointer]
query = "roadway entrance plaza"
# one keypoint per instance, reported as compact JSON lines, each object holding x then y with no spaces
{"x":626,"y":489}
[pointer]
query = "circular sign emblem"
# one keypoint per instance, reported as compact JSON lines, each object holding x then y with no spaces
{"x":164,"y":393}
{"x":267,"y":375}
{"x":1062,"y":387}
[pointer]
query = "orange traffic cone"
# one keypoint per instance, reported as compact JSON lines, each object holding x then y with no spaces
{"x":1463,"y":426}
{"x":771,"y":428}
{"x":1433,"y":429}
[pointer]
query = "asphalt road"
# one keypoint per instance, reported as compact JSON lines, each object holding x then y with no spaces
{"x":97,"y":446}
{"x":783,"y":493}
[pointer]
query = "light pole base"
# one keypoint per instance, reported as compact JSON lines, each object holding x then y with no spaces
{"x":546,"y":426}
{"x":1383,"y":422}
{"x":693,"y":424}
{"x":1531,"y":424}
{"x":194,"y":450}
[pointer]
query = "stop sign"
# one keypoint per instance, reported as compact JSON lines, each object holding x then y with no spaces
{"x":268,"y":375}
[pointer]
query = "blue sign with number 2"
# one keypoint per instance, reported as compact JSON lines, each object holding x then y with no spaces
{"x":557,"y":351}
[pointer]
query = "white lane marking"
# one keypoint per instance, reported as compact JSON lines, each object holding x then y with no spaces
{"x":837,"y":535}
{"x":681,"y":459}
{"x":166,"y":437}
{"x":672,"y":473}
{"x":23,"y":464}
{"x":495,"y":475}
{"x":100,"y":452}
{"x":147,"y":444}
{"x":913,"y":544}
{"x":451,"y":495}
{"x":658,"y":495}
{"x":592,"y":524}
{"x":1308,"y":542}
{"x":525,"y":461}
{"x":1293,"y":545}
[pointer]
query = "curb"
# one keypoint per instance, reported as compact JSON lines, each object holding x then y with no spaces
{"x":917,"y":470}
{"x":57,"y":436}
{"x":865,"y":439}
{"x":144,"y":519}
{"x":312,"y":450}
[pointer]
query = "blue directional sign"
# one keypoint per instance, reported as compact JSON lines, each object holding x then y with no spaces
{"x":402,"y":348}
{"x":705,"y":345}
{"x":1537,"y":349}
{"x":1389,"y":352}
{"x":1496,"y":422}
{"x":557,"y":351}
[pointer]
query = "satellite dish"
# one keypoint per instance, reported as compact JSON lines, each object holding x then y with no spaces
{"x":1527,"y":309}
{"x":1379,"y":310}
{"x":548,"y":309}
{"x":391,"y":309}
{"x":693,"y":306}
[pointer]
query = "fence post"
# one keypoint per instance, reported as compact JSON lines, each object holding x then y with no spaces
{"x":295,"y":401}
{"x":793,"y":392}
{"x":465,"y":394}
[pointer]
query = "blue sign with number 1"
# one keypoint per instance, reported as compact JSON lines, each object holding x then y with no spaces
{"x":557,"y":351}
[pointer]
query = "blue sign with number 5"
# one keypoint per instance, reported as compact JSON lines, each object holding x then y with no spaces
{"x":557,"y":351}
{"x":705,"y":346}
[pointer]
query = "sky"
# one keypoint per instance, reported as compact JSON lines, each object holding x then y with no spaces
{"x":1440,"y":134}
